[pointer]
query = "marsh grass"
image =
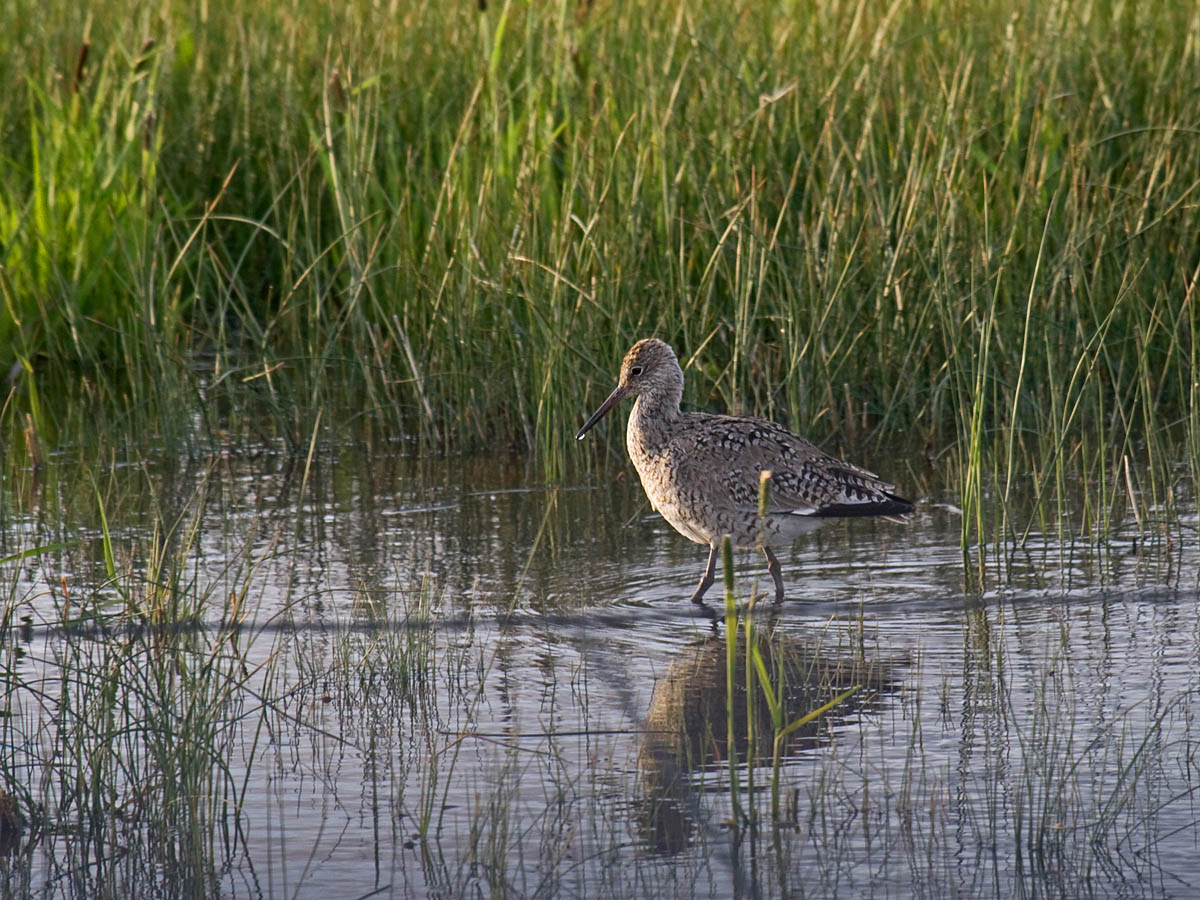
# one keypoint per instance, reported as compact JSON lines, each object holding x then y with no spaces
{"x":955,"y":241}
{"x":122,"y":724}
{"x":1084,"y":796}
{"x":144,"y":695}
{"x":969,"y":226}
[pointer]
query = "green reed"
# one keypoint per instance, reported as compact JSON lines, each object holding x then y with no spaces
{"x":119,"y":731}
{"x":142,"y":687}
{"x":968,"y":227}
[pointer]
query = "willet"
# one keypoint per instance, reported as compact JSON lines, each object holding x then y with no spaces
{"x":702,"y":472}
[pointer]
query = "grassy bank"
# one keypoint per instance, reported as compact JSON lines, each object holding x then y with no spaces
{"x":968,"y":226}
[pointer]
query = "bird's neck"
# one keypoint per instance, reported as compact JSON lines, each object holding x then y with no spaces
{"x":652,"y":419}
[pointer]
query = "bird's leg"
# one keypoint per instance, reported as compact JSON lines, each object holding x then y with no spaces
{"x":776,"y":572}
{"x":709,"y":574}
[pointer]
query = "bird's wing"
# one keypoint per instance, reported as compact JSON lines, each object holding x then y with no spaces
{"x":804,"y":479}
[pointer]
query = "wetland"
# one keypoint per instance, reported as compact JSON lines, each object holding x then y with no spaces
{"x":308,"y":591}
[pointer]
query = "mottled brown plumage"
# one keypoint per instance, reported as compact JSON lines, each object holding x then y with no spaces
{"x":701,"y":472}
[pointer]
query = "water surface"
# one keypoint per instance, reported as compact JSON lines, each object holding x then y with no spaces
{"x":450,"y":679}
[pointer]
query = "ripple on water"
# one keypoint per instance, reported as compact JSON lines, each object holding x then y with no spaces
{"x":455,"y":678}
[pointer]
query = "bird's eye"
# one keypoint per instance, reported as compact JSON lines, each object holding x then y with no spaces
{"x":635,"y":371}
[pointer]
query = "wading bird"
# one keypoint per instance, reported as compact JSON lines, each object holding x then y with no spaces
{"x":702,"y":472}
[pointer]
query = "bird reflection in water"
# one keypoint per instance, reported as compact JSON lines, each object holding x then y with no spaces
{"x":687,"y":724}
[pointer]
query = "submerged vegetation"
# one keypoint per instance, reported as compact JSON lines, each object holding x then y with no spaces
{"x":968,"y":225}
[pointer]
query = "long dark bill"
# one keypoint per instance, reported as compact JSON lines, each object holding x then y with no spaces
{"x":614,"y":398}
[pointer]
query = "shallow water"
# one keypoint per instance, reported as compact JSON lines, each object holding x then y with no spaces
{"x":452,"y":680}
